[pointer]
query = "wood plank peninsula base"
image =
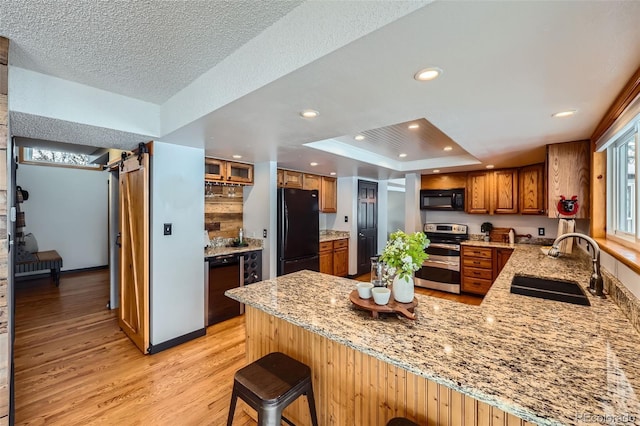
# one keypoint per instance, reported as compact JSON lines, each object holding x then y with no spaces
{"x":510,"y":359}
{"x":353,"y":388}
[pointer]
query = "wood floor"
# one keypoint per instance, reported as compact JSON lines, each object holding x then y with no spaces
{"x":469,"y":299}
{"x":73,"y":365}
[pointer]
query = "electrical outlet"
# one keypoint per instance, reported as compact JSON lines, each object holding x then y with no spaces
{"x":541,"y":231}
{"x":346,"y":219}
{"x":167,"y":229}
{"x":264,"y":233}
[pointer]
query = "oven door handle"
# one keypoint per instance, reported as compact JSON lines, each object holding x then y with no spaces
{"x":452,"y":266}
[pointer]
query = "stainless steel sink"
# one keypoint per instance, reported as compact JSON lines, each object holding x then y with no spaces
{"x":550,"y":289}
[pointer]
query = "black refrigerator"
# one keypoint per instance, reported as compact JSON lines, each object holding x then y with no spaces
{"x":298,"y":230}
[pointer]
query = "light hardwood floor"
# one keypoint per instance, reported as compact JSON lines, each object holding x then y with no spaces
{"x":74,"y":366}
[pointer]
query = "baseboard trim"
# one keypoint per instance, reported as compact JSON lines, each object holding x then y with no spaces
{"x":154,"y":349}
{"x":31,"y":276}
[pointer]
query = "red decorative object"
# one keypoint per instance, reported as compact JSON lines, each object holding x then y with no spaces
{"x":568,"y":207}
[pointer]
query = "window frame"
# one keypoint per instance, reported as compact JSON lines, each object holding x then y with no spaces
{"x":22,"y":160}
{"x":615,"y":175}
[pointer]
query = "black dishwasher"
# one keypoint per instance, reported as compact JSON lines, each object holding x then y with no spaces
{"x":222,"y":273}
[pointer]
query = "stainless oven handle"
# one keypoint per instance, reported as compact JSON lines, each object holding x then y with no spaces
{"x":449,"y":260}
{"x":451,"y":266}
{"x":455,"y":247}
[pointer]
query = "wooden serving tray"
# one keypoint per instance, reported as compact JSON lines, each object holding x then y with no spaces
{"x":405,"y":309}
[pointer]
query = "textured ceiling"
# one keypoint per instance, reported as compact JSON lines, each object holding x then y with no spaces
{"x":152,"y":48}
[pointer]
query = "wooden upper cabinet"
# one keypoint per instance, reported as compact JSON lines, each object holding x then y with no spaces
{"x":310,"y":182}
{"x":568,"y":176}
{"x":239,"y":172}
{"x":444,"y":181}
{"x":328,"y":195}
{"x":291,"y":179}
{"x":477,"y":192}
{"x":505,"y":191}
{"x":532,"y":189}
{"x":214,"y":169}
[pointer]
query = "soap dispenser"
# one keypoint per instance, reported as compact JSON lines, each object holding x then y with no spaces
{"x":512,"y":236}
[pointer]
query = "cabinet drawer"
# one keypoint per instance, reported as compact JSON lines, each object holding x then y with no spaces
{"x":476,"y":262}
{"x":477,"y":251}
{"x":478,"y":273}
{"x":475,"y":285}
{"x":340,"y":244}
{"x":326,"y":246}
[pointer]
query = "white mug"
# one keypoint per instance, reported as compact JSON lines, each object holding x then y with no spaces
{"x":364,"y":290}
{"x":381,"y":295}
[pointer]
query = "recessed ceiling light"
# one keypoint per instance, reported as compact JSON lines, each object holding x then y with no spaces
{"x":332,"y":173}
{"x":489,"y":166}
{"x":402,"y":155}
{"x":428,"y":74}
{"x":313,"y":164}
{"x":448,"y":148}
{"x":236,"y":156}
{"x":359,"y":137}
{"x":436,"y":171}
{"x":413,"y":126}
{"x":567,"y":113}
{"x":309,"y":113}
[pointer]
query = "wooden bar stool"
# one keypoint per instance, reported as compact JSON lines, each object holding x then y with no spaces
{"x":269,"y":385}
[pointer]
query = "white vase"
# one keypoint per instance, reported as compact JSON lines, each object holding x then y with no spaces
{"x":403,"y":289}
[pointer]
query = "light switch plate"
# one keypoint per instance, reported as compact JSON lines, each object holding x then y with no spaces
{"x":167,"y":229}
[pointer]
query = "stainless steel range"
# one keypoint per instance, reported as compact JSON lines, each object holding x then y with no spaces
{"x":441,"y":271}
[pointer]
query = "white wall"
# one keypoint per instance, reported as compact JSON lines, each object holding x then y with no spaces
{"x":383,"y":214}
{"x":43,"y":95}
{"x":412,"y":222}
{"x":395,"y":211}
{"x":260,"y":212}
{"x":177,"y":260}
{"x":67,"y":212}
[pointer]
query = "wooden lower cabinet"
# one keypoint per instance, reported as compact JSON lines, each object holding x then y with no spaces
{"x":326,"y":257}
{"x":480,"y":267}
{"x":341,"y":258}
{"x":354,"y":388}
{"x":334,"y":257}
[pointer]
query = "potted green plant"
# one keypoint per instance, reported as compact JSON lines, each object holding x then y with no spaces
{"x":403,"y":255}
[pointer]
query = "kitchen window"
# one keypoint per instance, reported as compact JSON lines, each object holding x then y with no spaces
{"x":622,"y":185}
{"x":46,"y":157}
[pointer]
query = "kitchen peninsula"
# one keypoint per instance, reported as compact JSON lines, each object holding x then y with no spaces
{"x":512,"y":360}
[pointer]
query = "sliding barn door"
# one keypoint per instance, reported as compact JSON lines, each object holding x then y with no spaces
{"x":133,"y":315}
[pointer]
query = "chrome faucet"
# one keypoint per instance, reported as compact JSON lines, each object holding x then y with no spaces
{"x":596,"y":286}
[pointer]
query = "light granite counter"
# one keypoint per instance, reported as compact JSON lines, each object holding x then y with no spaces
{"x":544,"y":361}
{"x":331,"y":235}
{"x":224,"y":249}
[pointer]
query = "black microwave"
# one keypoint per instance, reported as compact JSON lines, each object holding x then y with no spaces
{"x":442,"y":199}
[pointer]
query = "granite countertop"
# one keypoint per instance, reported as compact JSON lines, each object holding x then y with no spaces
{"x":254,"y":244}
{"x":544,"y":361}
{"x":488,"y":244}
{"x":330,"y":235}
